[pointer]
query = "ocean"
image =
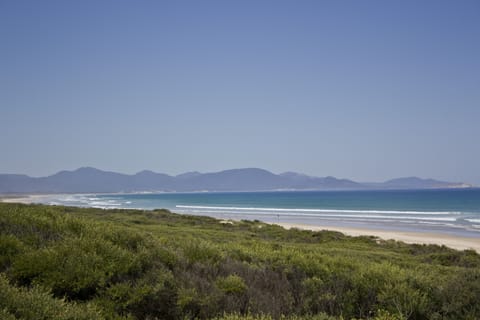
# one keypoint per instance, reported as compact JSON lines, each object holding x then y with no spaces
{"x":453,"y":211}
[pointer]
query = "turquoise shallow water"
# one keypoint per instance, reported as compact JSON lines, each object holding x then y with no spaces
{"x":449,"y":211}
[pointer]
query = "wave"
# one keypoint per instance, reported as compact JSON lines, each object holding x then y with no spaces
{"x":248,"y":213}
{"x":261,"y":209}
{"x":327,"y":215}
{"x":85,"y":201}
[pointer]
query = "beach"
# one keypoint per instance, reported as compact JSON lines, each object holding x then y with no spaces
{"x":454,"y":242}
{"x":25,"y":199}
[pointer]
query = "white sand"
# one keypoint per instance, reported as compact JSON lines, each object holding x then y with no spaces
{"x":459,"y":243}
{"x":24,"y":199}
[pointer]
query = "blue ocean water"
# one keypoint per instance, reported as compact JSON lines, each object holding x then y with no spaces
{"x":454,"y":211}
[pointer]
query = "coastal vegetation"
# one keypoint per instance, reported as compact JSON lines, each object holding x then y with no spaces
{"x":83,"y":263}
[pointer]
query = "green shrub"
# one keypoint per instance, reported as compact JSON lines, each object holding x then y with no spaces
{"x":10,"y":246}
{"x":320,"y":316}
{"x":38,"y":304}
{"x":142,"y":300}
{"x":385,"y":315}
{"x":75,"y":267}
{"x":202,"y":251}
{"x":5,"y":315}
{"x":232,"y":284}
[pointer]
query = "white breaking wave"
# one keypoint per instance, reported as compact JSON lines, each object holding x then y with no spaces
{"x":327,"y":215}
{"x":320,"y":210}
{"x":86,"y":201}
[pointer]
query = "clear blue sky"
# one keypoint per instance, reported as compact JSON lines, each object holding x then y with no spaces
{"x":367,"y":90}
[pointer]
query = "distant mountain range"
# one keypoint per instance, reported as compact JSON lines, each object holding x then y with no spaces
{"x":91,"y":180}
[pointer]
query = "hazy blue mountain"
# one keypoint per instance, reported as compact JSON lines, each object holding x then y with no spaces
{"x":418,"y":183}
{"x":84,"y":179}
{"x":295,"y":175}
{"x":11,"y":183}
{"x":91,"y":180}
{"x":302,"y":181}
{"x":234,"y":180}
{"x":188,"y":175}
{"x":147,"y":180}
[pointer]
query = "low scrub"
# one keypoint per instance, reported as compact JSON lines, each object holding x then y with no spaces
{"x":72,"y":263}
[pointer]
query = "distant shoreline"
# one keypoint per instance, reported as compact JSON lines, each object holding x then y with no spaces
{"x":21,"y":195}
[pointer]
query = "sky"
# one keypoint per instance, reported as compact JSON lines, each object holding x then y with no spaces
{"x":366,"y":90}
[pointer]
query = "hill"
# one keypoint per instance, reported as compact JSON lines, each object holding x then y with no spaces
{"x":92,"y":180}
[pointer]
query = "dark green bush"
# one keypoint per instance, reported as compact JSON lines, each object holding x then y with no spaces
{"x":38,"y":304}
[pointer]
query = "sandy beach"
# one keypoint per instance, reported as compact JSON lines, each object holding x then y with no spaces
{"x":23,"y":198}
{"x":459,"y":243}
{"x":455,"y":242}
